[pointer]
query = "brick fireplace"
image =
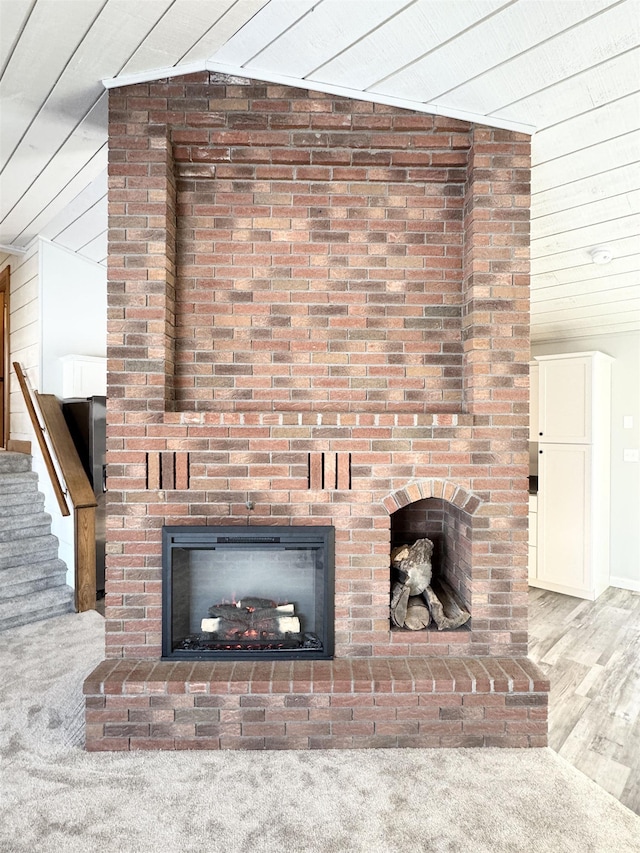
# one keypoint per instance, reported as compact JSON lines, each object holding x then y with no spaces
{"x":318,"y":315}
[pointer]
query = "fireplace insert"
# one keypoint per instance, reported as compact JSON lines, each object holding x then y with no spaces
{"x":243,"y":592}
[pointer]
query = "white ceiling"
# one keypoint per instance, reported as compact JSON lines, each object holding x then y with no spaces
{"x":566,"y":70}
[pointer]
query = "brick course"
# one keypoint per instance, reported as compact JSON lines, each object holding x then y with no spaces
{"x":321,"y":306}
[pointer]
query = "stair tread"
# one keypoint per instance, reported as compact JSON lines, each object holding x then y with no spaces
{"x":32,"y":577}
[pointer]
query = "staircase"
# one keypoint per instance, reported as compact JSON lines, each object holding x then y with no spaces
{"x":32,"y":578}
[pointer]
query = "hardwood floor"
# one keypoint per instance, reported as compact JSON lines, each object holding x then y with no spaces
{"x":591,"y":652}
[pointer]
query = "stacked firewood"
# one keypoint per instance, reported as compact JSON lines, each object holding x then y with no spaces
{"x":417,"y":598}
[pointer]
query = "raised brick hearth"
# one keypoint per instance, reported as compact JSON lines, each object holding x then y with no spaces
{"x":319,"y":307}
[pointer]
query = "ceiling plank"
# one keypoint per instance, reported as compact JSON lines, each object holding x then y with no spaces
{"x":93,"y":193}
{"x":611,"y":32}
{"x":109,"y":44}
{"x":616,"y":324}
{"x":613,"y":78}
{"x":96,"y":249}
{"x":595,"y":213}
{"x":274,"y":19}
{"x":316,"y":38}
{"x":603,"y":310}
{"x":606,"y":122}
{"x":176,"y":33}
{"x":580,"y":256}
{"x":13,"y":18}
{"x":569,"y":196}
{"x":80,"y":160}
{"x":52,"y":34}
{"x":602,"y":286}
{"x":587,"y":236}
{"x":404,"y":39}
{"x":84,"y":228}
{"x":610,"y":154}
{"x":583,"y":276}
{"x":602,"y":299}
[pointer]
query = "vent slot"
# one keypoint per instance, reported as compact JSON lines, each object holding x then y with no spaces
{"x":329,"y":471}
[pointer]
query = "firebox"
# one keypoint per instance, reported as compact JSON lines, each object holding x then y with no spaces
{"x":243,"y":592}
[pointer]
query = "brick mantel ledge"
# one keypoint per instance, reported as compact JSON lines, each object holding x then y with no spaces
{"x":345,"y":703}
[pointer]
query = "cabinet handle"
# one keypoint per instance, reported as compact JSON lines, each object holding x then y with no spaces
{"x":539,"y":451}
{"x":540,"y":433}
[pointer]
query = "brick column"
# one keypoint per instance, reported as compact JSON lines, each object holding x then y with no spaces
{"x":496,"y":351}
{"x":142,"y":249}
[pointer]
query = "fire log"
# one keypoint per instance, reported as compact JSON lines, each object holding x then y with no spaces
{"x":399,"y":603}
{"x":276,"y":626}
{"x":444,"y":607}
{"x":417,"y":616}
{"x":259,"y":615}
{"x":413,"y":564}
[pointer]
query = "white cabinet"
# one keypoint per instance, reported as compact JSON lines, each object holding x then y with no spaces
{"x":565,"y":399}
{"x":572,"y":540}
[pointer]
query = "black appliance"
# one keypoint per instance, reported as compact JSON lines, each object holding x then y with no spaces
{"x":86,"y":419}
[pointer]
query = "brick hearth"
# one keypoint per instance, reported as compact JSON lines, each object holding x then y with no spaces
{"x":319,"y":306}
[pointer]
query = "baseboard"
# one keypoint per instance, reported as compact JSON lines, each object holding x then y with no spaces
{"x":625,"y":583}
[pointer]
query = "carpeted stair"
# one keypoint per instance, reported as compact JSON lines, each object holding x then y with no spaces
{"x":32,"y":578}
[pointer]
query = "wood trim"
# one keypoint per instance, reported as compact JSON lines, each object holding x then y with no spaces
{"x":84,"y":524}
{"x":5,"y":285}
{"x":75,"y":476}
{"x":44,"y":447}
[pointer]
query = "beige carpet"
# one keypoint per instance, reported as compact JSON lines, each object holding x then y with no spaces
{"x":55,"y":797}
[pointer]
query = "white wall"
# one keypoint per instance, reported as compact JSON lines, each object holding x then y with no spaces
{"x":625,"y":476}
{"x":73,"y":312}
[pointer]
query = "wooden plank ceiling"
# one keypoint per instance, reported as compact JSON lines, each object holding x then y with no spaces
{"x":566,"y":70}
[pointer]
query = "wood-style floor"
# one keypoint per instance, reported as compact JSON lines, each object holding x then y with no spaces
{"x":591,"y":652}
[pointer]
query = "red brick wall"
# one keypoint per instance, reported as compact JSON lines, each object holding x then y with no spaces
{"x":320,"y":293}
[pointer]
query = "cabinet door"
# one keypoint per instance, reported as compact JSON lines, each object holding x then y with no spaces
{"x":563,"y":516}
{"x":565,"y":399}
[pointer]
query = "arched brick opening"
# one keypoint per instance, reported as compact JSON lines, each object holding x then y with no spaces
{"x":448,"y":514}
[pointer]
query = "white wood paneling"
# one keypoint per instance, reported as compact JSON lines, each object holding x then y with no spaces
{"x":606,"y":122}
{"x":92,"y":168}
{"x":84,"y":149}
{"x":13,"y":18}
{"x":585,"y":235}
{"x":407,"y":37}
{"x":455,"y":72}
{"x":276,"y":17}
{"x":92,"y":194}
{"x":596,"y":187}
{"x":582,"y":276}
{"x":237,"y":16}
{"x":563,"y":55}
{"x":610,"y":154}
{"x":53,"y":33}
{"x":606,"y":210}
{"x":96,"y":248}
{"x":578,"y":258}
{"x":24,"y":324}
{"x":610,"y":79}
{"x":326,"y":29}
{"x":176,"y":33}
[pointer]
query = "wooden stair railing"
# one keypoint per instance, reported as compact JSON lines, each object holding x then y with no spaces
{"x":77,"y":483}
